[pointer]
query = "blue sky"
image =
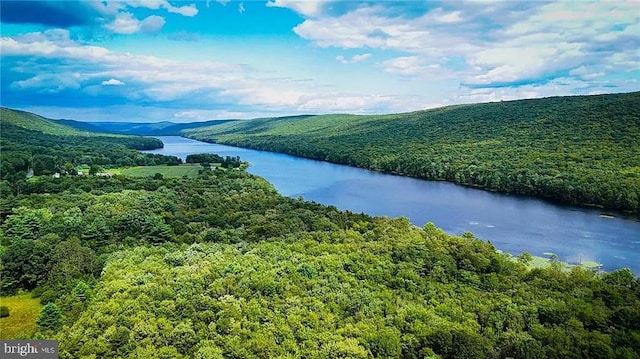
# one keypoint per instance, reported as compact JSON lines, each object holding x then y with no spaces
{"x":147,"y":60}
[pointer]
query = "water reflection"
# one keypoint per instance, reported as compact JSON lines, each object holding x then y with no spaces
{"x":512,"y":223}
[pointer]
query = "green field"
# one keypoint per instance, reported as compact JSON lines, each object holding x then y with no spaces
{"x":189,"y":170}
{"x":23,"y":311}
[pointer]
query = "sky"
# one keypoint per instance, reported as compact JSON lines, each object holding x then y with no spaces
{"x":161,"y":60}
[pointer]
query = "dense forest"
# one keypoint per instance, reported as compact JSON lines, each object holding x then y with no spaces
{"x":580,"y":150}
{"x":222,"y":266}
{"x":208,"y":158}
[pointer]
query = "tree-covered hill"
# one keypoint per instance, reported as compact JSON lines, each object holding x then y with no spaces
{"x":62,"y":127}
{"x":31,"y":121}
{"x":579,"y":149}
{"x":33,"y":144}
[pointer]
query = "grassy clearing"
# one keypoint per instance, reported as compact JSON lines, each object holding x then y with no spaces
{"x":542,"y":262}
{"x":190,"y":170}
{"x":23,"y":312}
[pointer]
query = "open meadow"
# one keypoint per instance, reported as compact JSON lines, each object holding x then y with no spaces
{"x":189,"y":170}
{"x":23,"y":312}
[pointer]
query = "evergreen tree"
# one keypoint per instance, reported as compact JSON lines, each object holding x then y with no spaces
{"x":50,"y":317}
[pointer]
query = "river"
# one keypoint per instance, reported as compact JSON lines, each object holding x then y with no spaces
{"x":513,"y":224}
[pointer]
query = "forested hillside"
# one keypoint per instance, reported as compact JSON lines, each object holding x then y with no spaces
{"x":34,"y":122}
{"x":32,"y":144}
{"x":223,"y":266}
{"x":579,"y":150}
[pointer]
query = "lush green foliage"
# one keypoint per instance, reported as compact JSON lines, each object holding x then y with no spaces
{"x":209,"y":158}
{"x":381,"y":288}
{"x":581,"y":150}
{"x":204,"y":157}
{"x":222,"y":266}
{"x":58,"y":235}
{"x":50,"y":318}
{"x":60,"y":148}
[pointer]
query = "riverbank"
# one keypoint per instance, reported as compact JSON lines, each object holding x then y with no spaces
{"x":513,"y":224}
{"x":548,"y":260}
{"x":579,"y":150}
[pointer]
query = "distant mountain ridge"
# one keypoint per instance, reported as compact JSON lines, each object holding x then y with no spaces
{"x":21,"y":126}
{"x":73,"y":127}
{"x":34,"y":122}
{"x":164,"y":128}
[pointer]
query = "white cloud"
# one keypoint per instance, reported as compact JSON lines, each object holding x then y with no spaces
{"x":107,"y":8}
{"x":163,"y":79}
{"x":513,"y":63}
{"x":125,"y":23}
{"x":359,"y":58}
{"x":309,"y":8}
{"x":341,"y":103}
{"x":120,"y":20}
{"x":586,"y":73}
{"x":112,"y":82}
{"x":50,"y":83}
{"x":440,"y":15}
{"x":629,"y":61}
{"x":357,"y":29}
{"x":152,"y":24}
{"x":446,"y":55}
{"x":413,"y":66}
{"x":579,"y":18}
{"x":354,"y":59}
{"x":176,"y":83}
{"x":502,"y":44}
{"x":185,"y":10}
{"x":49,"y":44}
{"x":59,"y":36}
{"x":196,"y":115}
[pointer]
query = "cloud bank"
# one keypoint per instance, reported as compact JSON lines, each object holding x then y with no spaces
{"x":505,"y":45}
{"x":228,"y":60}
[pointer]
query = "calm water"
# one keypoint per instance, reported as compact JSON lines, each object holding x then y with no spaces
{"x":513,"y":224}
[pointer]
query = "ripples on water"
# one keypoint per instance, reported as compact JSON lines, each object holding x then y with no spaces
{"x":513,"y":224}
